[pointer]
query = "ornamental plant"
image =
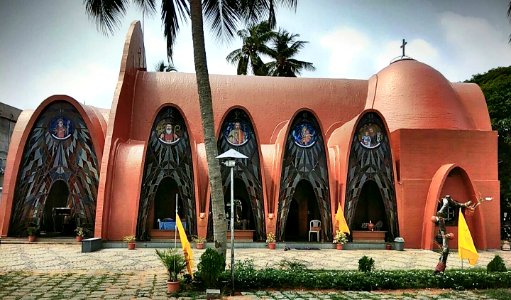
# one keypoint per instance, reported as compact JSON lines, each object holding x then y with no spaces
{"x":129,"y":239}
{"x":79,"y":231}
{"x":270,"y":237}
{"x":366,"y":264}
{"x":340,"y":238}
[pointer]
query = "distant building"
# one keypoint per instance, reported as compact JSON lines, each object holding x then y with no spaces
{"x":385,"y":149}
{"x":8,"y":117}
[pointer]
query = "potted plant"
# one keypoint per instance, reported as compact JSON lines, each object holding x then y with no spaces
{"x":270,"y":240}
{"x":79,"y":233}
{"x":199,"y":242}
{"x":32,"y":232}
{"x":340,"y":239}
{"x":174,"y":264}
{"x":130,"y":240}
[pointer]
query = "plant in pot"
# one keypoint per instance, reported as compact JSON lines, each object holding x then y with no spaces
{"x":340,"y":239}
{"x":32,"y":233}
{"x":199,"y":242}
{"x":80,"y":233}
{"x":130,"y":240}
{"x":270,"y":240}
{"x":175,"y":264}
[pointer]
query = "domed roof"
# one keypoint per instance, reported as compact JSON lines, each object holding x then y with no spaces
{"x":411,"y":94}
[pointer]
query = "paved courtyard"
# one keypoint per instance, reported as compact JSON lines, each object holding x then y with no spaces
{"x":57,"y":271}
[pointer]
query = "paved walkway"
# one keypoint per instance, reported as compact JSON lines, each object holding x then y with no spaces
{"x":52,"y":271}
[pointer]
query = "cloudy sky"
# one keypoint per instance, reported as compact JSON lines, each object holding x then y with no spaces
{"x":51,"y":47}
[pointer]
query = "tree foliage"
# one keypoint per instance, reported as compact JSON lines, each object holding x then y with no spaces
{"x":281,"y":47}
{"x":496,"y":87}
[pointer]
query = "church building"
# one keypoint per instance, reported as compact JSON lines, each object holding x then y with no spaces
{"x":385,"y":150}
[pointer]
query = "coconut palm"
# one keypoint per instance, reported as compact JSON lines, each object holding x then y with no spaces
{"x":254,"y":38}
{"x":162,"y":67}
{"x":223,"y":15}
{"x":285,"y":47}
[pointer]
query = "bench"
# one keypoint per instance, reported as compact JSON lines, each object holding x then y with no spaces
{"x":91,"y":245}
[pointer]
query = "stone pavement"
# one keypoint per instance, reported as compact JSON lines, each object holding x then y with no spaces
{"x":55,"y":271}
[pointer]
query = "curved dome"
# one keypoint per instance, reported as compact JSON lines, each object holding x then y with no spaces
{"x":411,"y":94}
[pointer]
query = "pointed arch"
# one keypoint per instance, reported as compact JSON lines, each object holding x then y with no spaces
{"x":237,"y":132}
{"x":304,"y":159}
{"x":168,"y":155}
{"x":59,"y":147}
{"x":370,"y":159}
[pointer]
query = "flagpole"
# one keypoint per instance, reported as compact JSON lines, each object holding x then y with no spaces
{"x":175,"y":228}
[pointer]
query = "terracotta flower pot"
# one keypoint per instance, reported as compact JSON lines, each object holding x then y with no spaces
{"x":272,"y":246}
{"x":31,"y":238}
{"x":79,"y":238}
{"x":172,"y":286}
{"x":131,"y":246}
{"x":388,"y":246}
{"x":339,"y":246}
{"x":370,"y":226}
{"x":199,"y":245}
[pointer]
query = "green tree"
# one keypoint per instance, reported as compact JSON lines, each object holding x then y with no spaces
{"x":224,"y":16}
{"x":254,"y":39}
{"x":284,"y":48}
{"x":496,"y":87}
{"x":162,"y":67}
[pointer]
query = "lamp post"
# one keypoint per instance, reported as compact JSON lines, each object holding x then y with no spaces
{"x":230,"y":157}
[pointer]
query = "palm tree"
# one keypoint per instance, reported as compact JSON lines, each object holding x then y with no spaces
{"x":509,"y":16}
{"x":162,"y":67}
{"x":254,"y":38}
{"x":224,"y":16}
{"x":285,"y":47}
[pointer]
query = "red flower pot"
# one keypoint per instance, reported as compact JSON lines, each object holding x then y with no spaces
{"x":272,"y":246}
{"x":172,"y":286}
{"x":31,"y":238}
{"x":79,"y":238}
{"x":199,"y":245}
{"x":339,"y":246}
{"x":131,"y":246}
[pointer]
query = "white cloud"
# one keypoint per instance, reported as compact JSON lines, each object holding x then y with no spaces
{"x":476,"y":45}
{"x":348,"y":48}
{"x":418,"y":49}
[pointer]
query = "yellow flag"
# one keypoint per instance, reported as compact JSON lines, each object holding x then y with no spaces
{"x":187,"y":250}
{"x":466,"y":248}
{"x":341,"y":221}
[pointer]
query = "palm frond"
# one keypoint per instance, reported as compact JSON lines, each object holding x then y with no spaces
{"x":172,"y":13}
{"x":234,"y":57}
{"x":148,"y":6}
{"x":223,"y":15}
{"x":106,"y":13}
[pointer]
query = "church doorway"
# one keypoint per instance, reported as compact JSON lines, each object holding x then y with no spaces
{"x":164,"y":208}
{"x":302,"y":209}
{"x":370,"y":208}
{"x":243,"y":214}
{"x":56,"y":213}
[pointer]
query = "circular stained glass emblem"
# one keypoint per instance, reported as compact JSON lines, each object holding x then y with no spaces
{"x":237,"y":133}
{"x":168,"y":132}
{"x":304,"y":135}
{"x":61,"y":128}
{"x":370,"y":135}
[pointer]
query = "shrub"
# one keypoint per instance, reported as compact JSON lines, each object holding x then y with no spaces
{"x":365,"y":264}
{"x":496,"y":265}
{"x":211,"y":265}
{"x":173,"y":261}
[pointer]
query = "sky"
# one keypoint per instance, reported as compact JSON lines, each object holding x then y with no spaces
{"x":52,"y":47}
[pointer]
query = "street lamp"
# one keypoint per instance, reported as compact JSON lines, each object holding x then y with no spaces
{"x":230,"y":157}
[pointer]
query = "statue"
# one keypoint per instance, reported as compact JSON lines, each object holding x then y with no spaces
{"x":444,"y":237}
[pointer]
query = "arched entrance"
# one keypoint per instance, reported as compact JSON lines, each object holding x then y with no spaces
{"x":304,"y":194}
{"x":56,"y":213}
{"x":243,"y":214}
{"x":370,"y":208}
{"x":302,"y":209}
{"x":164,"y":206}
